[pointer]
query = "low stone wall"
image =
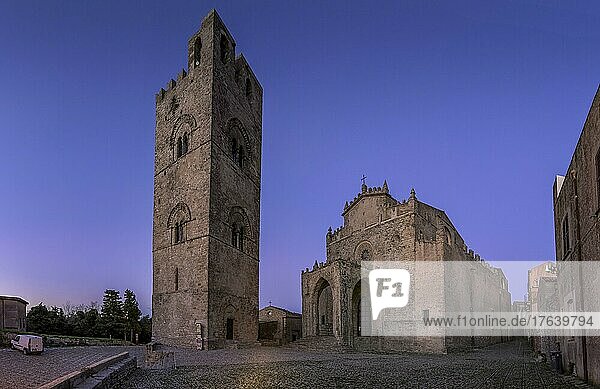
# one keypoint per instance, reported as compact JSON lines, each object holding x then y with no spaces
{"x":78,"y":378}
{"x":64,"y":341}
{"x":71,"y":341}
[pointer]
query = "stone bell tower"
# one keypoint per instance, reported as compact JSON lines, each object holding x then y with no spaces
{"x":207,"y":197}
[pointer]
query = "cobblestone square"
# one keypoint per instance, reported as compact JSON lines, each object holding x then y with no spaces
{"x":508,"y":365}
{"x":31,"y":371}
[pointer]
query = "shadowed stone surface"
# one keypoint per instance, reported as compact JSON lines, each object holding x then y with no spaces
{"x":31,"y":371}
{"x":508,"y":365}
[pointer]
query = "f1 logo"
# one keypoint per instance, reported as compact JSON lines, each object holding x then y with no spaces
{"x":389,"y":289}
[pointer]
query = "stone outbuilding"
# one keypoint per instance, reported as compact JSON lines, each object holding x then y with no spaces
{"x":278,"y":326}
{"x":13,"y":313}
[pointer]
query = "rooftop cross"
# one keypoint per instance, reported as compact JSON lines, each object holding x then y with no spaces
{"x":363,"y":179}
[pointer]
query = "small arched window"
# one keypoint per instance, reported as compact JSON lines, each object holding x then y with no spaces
{"x":240,"y":151}
{"x":179,"y":148}
{"x":240,"y":158}
{"x":185,"y":144}
{"x":248,"y":89}
{"x":178,"y":233}
{"x":224,"y":49}
{"x":566,"y":236}
{"x":177,"y":222}
{"x":237,"y":236}
{"x":197,"y":51}
{"x":181,"y":138}
{"x":176,"y":279}
{"x":239,"y":224}
{"x":237,"y":152}
{"x":234,"y":149}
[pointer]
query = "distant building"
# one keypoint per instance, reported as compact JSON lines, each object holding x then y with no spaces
{"x":534,"y":275}
{"x":13,"y":313}
{"x":577,"y":238}
{"x":520,"y":306}
{"x":278,"y":326}
{"x":542,"y":296}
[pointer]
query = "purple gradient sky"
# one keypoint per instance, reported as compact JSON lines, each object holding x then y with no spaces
{"x":476,"y":107}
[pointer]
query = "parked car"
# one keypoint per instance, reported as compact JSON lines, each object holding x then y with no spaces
{"x":29,"y":344}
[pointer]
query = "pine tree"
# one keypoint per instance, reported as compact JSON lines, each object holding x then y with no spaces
{"x":132,"y":314}
{"x":113,"y":318}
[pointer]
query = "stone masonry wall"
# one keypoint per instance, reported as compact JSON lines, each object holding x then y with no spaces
{"x":577,"y":199}
{"x":204,"y":280}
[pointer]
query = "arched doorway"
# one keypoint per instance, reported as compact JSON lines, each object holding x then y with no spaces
{"x":230,"y":323}
{"x":359,"y":307}
{"x":356,"y":319}
{"x":324,"y":325}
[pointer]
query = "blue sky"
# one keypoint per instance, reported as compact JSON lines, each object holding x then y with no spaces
{"x":477,"y":106}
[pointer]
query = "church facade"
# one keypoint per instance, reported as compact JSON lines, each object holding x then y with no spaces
{"x":377,"y":227}
{"x":207,"y":197}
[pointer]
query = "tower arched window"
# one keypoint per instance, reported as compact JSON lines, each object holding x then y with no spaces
{"x":197,"y":50}
{"x":237,"y":236}
{"x":179,"y":148}
{"x":179,"y":237}
{"x":177,"y":222}
{"x":240,"y":151}
{"x":176,"y":279}
{"x":185,"y":144}
{"x":239,"y":224}
{"x":240,"y":157}
{"x":181,"y":138}
{"x":237,"y":152}
{"x":234,"y":149}
{"x":224,"y":49}
{"x":566,"y":236}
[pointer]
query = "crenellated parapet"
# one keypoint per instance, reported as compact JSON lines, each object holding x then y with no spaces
{"x":379,"y":205}
{"x":472,"y":256}
{"x":316,"y":266}
{"x":171,"y":85}
{"x":367,"y":191}
{"x":338,"y":233}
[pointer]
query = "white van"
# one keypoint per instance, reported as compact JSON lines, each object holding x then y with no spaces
{"x":28,"y":344}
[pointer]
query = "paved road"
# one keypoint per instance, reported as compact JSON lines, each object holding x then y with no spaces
{"x":508,"y":365}
{"x":31,"y":371}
